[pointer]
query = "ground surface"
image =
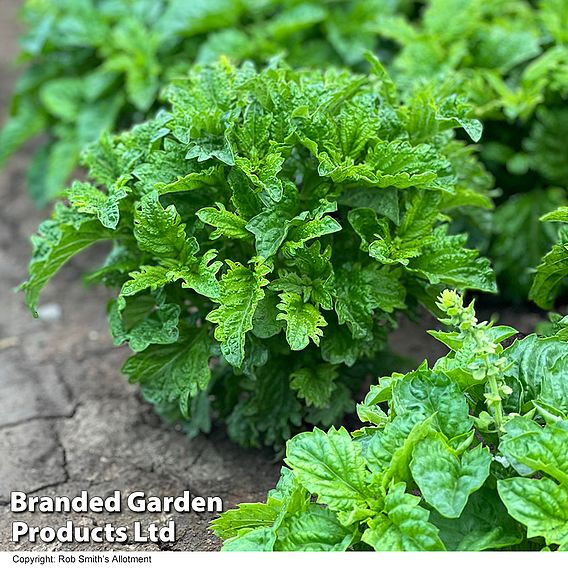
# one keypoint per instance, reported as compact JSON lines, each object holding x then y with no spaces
{"x":68,"y":419}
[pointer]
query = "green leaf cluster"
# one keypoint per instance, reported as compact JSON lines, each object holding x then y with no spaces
{"x":510,"y":58}
{"x":95,"y":66}
{"x":266,"y":230}
{"x":466,"y":454}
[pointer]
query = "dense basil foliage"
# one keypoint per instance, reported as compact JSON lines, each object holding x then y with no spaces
{"x":469,"y":454}
{"x":511,"y":58}
{"x":265,"y":232}
{"x":98,"y":65}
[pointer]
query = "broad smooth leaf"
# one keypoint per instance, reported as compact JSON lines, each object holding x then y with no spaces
{"x":445,"y":479}
{"x":540,"y":504}
{"x":331,"y":466}
{"x":314,"y":530}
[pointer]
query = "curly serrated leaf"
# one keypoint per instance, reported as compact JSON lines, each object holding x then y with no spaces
{"x":160,"y":231}
{"x":303,"y":321}
{"x":226,"y":224}
{"x":388,"y":164}
{"x":209,"y":177}
{"x":200,"y":275}
{"x":148,"y":277}
{"x":197,"y":274}
{"x":86,"y":198}
{"x":143,"y":323}
{"x":240,"y":292}
{"x":315,"y":385}
{"x":174,"y":372}
{"x":550,"y":276}
{"x":447,"y":260}
{"x":55,"y":243}
{"x":263,"y":174}
{"x":310,"y":225}
{"x":362,"y":290}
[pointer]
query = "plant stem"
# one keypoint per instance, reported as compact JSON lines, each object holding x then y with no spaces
{"x":495,"y":402}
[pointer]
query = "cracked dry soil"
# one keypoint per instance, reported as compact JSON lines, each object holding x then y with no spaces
{"x":69,"y":421}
